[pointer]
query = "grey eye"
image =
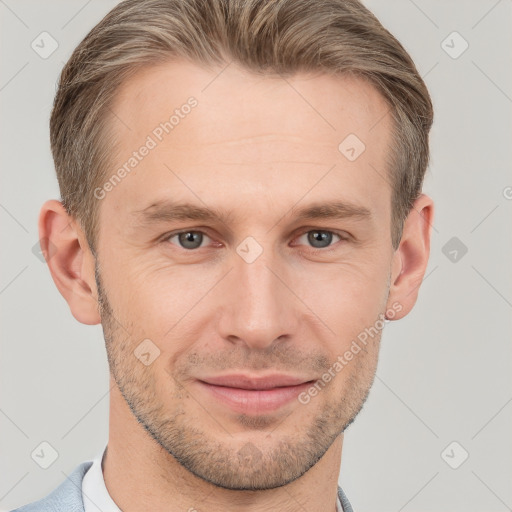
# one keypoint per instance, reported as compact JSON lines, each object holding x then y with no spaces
{"x":319,"y":239}
{"x":189,"y":239}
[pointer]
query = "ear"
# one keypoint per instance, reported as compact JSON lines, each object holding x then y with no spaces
{"x":411,"y":257}
{"x":70,"y":260}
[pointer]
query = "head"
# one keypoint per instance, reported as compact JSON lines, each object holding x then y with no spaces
{"x":241,"y":195}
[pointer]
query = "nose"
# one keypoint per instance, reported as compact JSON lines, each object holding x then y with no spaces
{"x":259,"y":307}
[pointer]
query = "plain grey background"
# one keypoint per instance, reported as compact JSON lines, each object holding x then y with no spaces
{"x":444,"y":374}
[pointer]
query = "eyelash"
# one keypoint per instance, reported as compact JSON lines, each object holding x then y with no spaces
{"x":343,"y":238}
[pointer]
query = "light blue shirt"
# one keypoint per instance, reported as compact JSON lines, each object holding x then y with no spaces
{"x":68,"y":496}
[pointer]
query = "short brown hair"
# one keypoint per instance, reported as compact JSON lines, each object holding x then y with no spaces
{"x":278,"y":37}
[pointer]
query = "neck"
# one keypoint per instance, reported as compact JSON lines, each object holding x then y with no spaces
{"x":140,"y":475}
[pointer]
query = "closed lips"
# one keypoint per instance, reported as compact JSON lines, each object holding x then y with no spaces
{"x":255,"y":383}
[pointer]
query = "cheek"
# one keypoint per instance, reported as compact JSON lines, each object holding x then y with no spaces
{"x":166,"y":303}
{"x":160,"y":301}
{"x":347,"y":297}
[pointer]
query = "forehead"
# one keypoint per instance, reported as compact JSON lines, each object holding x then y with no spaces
{"x":263,"y":131}
{"x":317,"y":103}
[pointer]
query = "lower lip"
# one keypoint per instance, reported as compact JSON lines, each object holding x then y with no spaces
{"x":250,"y":401}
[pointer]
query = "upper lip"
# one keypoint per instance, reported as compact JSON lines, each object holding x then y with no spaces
{"x":255,"y":382}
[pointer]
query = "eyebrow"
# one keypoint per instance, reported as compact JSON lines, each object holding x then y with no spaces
{"x":334,"y":210}
{"x":168,"y":211}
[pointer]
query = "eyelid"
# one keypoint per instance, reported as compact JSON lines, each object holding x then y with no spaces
{"x":344,"y":237}
{"x":172,"y":234}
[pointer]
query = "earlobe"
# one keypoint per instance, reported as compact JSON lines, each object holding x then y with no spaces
{"x":70,"y":261}
{"x":411,"y":258}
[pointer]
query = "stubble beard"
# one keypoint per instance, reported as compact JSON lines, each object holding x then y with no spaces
{"x":229,"y":463}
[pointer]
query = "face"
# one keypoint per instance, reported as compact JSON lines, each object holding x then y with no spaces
{"x":240,"y":256}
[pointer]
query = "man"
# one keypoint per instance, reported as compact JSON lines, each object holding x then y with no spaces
{"x":242,"y":211}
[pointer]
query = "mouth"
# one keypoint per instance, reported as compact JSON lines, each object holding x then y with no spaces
{"x":254,"y":394}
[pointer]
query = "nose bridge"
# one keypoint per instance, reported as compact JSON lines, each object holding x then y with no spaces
{"x":260,"y":309}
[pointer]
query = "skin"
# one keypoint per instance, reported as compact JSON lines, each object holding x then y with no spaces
{"x":256,"y":149}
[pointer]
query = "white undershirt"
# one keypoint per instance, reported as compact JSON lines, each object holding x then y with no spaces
{"x":94,"y":492}
{"x":96,"y":497}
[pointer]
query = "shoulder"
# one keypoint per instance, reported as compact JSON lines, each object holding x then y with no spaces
{"x":67,"y":497}
{"x":347,"y":507}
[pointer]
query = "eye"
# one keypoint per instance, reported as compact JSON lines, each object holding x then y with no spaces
{"x":320,"y":239}
{"x":188,"y":239}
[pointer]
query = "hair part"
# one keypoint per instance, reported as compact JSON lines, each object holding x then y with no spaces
{"x":277,"y":38}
